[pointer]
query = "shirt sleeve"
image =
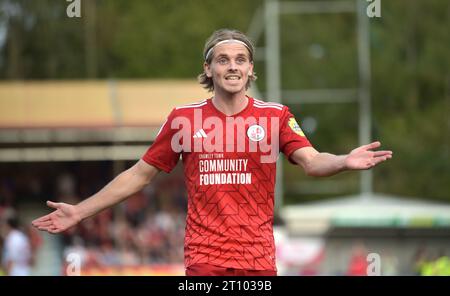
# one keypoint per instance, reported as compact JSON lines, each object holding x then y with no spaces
{"x":161,"y":154}
{"x":291,"y":135}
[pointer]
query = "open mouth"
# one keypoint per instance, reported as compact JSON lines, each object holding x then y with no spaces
{"x":232,"y":77}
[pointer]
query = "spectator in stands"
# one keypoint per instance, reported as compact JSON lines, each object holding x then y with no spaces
{"x":390,"y":264}
{"x":358,"y":260}
{"x":17,"y":256}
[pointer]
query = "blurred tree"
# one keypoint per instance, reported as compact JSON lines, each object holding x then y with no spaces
{"x":164,"y":39}
{"x":411,"y":95}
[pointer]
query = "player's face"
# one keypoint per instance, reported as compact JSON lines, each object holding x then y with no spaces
{"x":230,"y":68}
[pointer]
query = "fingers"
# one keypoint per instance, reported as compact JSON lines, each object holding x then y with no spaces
{"x":43,"y":224}
{"x":51,"y":229}
{"x":47,"y":222}
{"x":382,"y":153}
{"x":55,"y":205}
{"x":377,"y":160}
{"x":47,"y":217}
{"x":379,"y":156}
{"x":372,"y":145}
{"x":48,"y":226}
{"x":54,"y":230}
{"x":41,"y":220}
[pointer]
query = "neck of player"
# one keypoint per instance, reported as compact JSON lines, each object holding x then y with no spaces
{"x":230,"y":103}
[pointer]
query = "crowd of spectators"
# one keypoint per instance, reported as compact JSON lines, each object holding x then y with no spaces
{"x":147,"y":228}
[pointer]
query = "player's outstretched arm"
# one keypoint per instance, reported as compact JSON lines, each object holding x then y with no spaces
{"x":124,"y":185}
{"x":325,"y":164}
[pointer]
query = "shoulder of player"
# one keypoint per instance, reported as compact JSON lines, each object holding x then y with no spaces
{"x":189,"y":108}
{"x":192,"y":105}
{"x":277,"y":108}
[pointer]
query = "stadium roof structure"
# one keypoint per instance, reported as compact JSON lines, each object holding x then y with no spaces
{"x":364,"y":211}
{"x":86,"y":120}
{"x":93,"y":104}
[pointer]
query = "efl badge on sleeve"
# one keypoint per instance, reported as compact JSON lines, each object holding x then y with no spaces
{"x":295,"y":127}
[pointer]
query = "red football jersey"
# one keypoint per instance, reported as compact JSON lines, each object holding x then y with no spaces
{"x":230,"y":167}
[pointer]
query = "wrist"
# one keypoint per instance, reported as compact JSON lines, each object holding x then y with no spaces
{"x":79,"y":213}
{"x":343,"y":163}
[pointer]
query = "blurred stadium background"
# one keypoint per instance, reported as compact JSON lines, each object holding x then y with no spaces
{"x":82,"y":98}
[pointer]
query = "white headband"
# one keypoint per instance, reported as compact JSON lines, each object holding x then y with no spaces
{"x":225,"y":41}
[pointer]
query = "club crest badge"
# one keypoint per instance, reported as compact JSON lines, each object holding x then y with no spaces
{"x":256,"y":133}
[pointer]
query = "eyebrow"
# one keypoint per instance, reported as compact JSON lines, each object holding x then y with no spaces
{"x":239,"y":55}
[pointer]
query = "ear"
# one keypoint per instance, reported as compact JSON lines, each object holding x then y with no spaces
{"x":207,"y":70}
{"x":250,"y":71}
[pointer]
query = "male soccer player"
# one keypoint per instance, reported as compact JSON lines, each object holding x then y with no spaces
{"x":228,"y":144}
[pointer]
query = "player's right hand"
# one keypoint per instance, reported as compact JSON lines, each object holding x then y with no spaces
{"x":64,"y":217}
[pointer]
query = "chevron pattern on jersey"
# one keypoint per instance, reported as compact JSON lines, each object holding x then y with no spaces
{"x":230,"y":206}
{"x":233,"y":223}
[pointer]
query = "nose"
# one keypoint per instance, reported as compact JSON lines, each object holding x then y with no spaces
{"x":233,"y":65}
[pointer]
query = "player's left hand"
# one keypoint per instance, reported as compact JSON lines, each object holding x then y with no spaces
{"x":363,"y":158}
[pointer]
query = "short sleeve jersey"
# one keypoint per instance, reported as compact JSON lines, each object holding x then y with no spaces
{"x":230,"y":168}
